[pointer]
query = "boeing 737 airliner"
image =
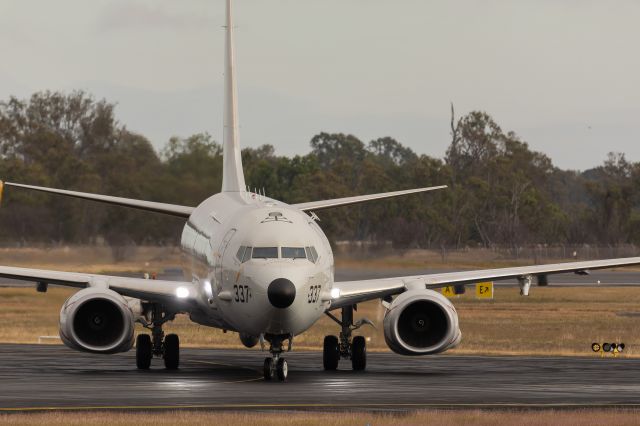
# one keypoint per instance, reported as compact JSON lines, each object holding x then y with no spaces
{"x":264,"y":269}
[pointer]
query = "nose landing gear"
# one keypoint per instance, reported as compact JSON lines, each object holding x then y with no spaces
{"x":275,"y":366}
{"x":346,"y":347}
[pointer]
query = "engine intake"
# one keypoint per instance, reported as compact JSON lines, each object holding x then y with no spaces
{"x":421,"y":322}
{"x":97,"y":320}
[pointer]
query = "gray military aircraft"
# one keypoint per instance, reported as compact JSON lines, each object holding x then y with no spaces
{"x":264,"y":269}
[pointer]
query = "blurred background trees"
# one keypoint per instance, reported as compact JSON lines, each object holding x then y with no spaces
{"x":501,"y":193}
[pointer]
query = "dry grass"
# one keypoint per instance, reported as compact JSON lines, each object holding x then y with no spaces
{"x":477,"y":258}
{"x":91,"y":259}
{"x":436,"y":417}
{"x":99,"y":259}
{"x":552,"y":321}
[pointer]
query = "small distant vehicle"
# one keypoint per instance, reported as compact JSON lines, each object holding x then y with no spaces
{"x":264,"y":269}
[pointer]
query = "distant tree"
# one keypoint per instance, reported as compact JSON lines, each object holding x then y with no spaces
{"x":194,"y":168}
{"x":611,"y":190}
{"x":501,"y":192}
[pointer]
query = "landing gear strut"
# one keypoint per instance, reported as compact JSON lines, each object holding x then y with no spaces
{"x":276,"y":366}
{"x":345,"y":347}
{"x":158,"y":345}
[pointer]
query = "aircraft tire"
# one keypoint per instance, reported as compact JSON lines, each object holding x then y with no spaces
{"x":359,"y":353}
{"x":282,"y":369}
{"x":330,"y":353}
{"x":269,"y":370}
{"x":143,"y":351}
{"x":171,"y":352}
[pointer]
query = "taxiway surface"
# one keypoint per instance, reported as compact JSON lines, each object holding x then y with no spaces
{"x":35,"y":377}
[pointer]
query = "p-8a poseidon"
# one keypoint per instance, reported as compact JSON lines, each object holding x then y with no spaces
{"x":263,"y":269}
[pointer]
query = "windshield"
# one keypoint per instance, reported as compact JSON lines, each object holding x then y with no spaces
{"x":265,"y":253}
{"x":293,"y":253}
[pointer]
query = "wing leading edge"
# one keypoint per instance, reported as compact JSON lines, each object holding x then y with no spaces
{"x":170,"y":209}
{"x":161,"y":291}
{"x":359,"y":291}
{"x":337,"y":202}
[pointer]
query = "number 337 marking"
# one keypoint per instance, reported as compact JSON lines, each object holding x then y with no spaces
{"x":243,"y":293}
{"x":314,"y":293}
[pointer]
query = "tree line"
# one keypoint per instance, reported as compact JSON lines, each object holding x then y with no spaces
{"x":501,"y":193}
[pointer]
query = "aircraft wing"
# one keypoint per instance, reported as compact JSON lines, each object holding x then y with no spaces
{"x":352,"y":292}
{"x":175,"y":294}
{"x":337,"y":202}
{"x":170,"y":209}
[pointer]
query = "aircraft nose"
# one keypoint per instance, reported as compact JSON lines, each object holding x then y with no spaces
{"x":281,"y":293}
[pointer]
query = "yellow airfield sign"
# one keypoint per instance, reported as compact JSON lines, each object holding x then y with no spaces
{"x":484,"y":290}
{"x":449,"y":291}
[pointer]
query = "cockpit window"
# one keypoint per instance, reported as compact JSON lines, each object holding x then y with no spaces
{"x":265,"y":253}
{"x":312,"y":254}
{"x":293,"y":253}
{"x":247,"y":255}
{"x":240,"y":253}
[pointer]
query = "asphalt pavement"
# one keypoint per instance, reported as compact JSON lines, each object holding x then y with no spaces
{"x":43,"y":377}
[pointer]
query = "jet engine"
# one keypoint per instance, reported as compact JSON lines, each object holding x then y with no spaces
{"x":248,"y":340}
{"x":421,"y":322}
{"x":97,"y":320}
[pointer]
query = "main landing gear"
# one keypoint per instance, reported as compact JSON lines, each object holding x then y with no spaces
{"x":275,"y":366}
{"x":345,"y":347}
{"x":158,"y":345}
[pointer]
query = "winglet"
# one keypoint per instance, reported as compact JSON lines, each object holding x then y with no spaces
{"x":232,"y":175}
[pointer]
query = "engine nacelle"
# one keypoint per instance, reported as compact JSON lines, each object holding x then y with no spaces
{"x":421,"y":322}
{"x":248,"y":340}
{"x":97,"y":320}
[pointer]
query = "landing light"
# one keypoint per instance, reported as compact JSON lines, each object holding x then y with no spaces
{"x":182,"y":292}
{"x":335,"y":293}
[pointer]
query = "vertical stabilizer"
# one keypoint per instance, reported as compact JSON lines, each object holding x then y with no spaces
{"x":232,"y":175}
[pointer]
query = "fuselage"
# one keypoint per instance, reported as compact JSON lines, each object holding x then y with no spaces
{"x":261,"y":267}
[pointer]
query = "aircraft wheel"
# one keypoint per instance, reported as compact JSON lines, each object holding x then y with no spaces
{"x":359,"y":353}
{"x":171,"y":352}
{"x":143,"y":351}
{"x":269,"y":369}
{"x":330,"y":353}
{"x":282,"y":369}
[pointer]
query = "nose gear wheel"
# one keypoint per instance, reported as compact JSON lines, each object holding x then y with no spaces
{"x":269,"y":369}
{"x":275,"y":366}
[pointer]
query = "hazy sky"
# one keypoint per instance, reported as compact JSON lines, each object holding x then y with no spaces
{"x":564,"y":75}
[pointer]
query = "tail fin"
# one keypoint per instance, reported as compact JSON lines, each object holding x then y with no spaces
{"x":232,"y":174}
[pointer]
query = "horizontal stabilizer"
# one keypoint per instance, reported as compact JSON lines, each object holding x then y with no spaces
{"x":337,"y":202}
{"x":170,"y":209}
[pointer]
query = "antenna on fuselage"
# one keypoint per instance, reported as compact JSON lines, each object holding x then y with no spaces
{"x":232,"y":174}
